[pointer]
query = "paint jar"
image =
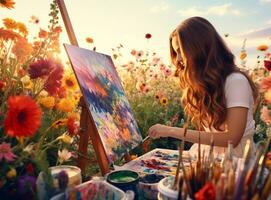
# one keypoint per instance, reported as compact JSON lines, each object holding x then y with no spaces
{"x":165,"y":191}
{"x":148,"y":186}
{"x":74,"y":175}
{"x":94,"y":189}
{"x":124,"y":180}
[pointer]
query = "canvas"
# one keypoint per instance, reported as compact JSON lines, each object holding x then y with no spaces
{"x":106,"y":101}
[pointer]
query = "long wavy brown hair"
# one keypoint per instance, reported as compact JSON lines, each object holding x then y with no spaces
{"x":203,"y":76}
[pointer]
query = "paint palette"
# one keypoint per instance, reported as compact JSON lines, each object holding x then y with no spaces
{"x":157,"y":161}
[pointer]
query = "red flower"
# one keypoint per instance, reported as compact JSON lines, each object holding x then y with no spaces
{"x":148,"y":36}
{"x":30,"y":168}
{"x":53,"y":82}
{"x":2,"y":84}
{"x":206,"y":193}
{"x":73,"y":125}
{"x":267,"y":64}
{"x":23,"y":117}
{"x":40,"y":68}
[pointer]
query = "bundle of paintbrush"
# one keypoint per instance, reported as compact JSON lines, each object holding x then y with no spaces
{"x":229,"y":178}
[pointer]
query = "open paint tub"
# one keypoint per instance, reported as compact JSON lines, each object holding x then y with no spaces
{"x":165,"y":191}
{"x":125,"y":180}
{"x":93,"y":190}
{"x":148,"y":185}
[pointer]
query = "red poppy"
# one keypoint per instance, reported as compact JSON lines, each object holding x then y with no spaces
{"x":267,"y":64}
{"x":206,"y":193}
{"x":23,"y":117}
{"x":148,"y":36}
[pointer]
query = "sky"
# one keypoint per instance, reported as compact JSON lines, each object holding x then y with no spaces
{"x":114,"y":22}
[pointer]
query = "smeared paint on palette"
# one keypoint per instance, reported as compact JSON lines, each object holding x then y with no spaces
{"x":157,"y":161}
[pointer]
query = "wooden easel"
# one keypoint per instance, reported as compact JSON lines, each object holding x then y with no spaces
{"x":87,"y":125}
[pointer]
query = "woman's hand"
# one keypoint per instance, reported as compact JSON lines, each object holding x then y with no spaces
{"x":159,"y":130}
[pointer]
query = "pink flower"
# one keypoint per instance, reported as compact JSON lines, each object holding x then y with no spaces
{"x":133,"y":52}
{"x":167,"y":72}
{"x":162,"y":66}
{"x":265,"y":114}
{"x":5,"y":152}
{"x":139,"y":54}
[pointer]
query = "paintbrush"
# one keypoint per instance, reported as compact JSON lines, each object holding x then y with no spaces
{"x":146,"y":139}
{"x":174,"y":187}
{"x":243,"y":170}
{"x":181,"y":147}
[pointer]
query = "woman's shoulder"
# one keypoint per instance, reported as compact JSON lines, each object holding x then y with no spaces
{"x":236,"y":76}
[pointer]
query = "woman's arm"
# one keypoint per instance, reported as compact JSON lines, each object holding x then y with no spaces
{"x":236,"y":124}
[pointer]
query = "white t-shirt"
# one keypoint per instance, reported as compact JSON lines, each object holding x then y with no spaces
{"x":238,"y":93}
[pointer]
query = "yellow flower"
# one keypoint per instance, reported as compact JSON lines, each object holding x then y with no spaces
{"x":11,"y":173}
{"x":163,"y":101}
{"x":243,"y":55}
{"x":47,"y":102}
{"x":9,"y":23}
{"x":65,"y":138}
{"x":22,"y":28}
{"x":27,"y":83}
{"x":262,"y":47}
{"x":66,"y":105}
{"x":60,"y":122}
{"x":69,"y":82}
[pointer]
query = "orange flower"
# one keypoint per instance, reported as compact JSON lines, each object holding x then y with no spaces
{"x":23,"y":117}
{"x":262,"y":47}
{"x":266,"y":84}
{"x":9,"y":23}
{"x":89,"y":40}
{"x":22,"y":28}
{"x":43,"y":33}
{"x":7,"y":4}
{"x":22,"y":49}
{"x":8,"y":34}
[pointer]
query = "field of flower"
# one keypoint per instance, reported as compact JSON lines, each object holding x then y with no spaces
{"x":39,"y":95}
